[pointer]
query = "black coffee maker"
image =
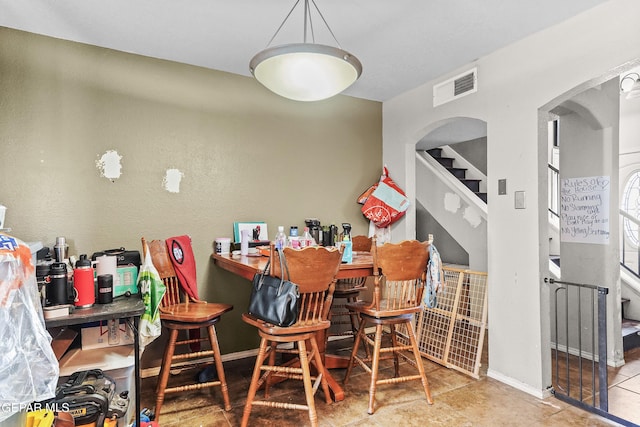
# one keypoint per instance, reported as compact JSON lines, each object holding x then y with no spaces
{"x":315,"y":229}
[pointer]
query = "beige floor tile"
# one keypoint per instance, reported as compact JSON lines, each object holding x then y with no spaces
{"x":624,"y":404}
{"x":459,"y":401}
{"x":632,"y":384}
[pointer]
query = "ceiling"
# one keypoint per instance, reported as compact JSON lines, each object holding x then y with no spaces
{"x":401,"y":43}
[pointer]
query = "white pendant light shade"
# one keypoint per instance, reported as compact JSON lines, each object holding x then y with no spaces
{"x":305,"y":71}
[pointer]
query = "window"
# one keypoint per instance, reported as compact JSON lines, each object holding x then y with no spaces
{"x":631,"y":205}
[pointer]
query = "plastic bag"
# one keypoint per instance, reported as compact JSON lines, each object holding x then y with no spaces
{"x":152,"y":290}
{"x":435,"y":276}
{"x":28,"y":367}
{"x":386,"y":204}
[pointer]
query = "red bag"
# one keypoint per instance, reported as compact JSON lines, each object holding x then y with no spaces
{"x":387,"y":203}
{"x":362,"y":199}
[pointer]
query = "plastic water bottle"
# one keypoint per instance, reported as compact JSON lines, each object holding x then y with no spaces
{"x":281,"y":238}
{"x":347,"y":253}
{"x":307,"y":239}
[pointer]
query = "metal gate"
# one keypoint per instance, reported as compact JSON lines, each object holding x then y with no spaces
{"x":579,"y":349}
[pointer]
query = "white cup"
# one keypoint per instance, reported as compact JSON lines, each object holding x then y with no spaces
{"x":223,"y":245}
{"x":244,"y":242}
{"x":107,"y":264}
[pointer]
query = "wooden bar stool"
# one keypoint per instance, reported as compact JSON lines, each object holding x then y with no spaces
{"x":179,"y":312}
{"x":399,"y":277}
{"x":313,"y":269}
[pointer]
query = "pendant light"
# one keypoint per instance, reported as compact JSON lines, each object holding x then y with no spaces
{"x":305,"y":71}
{"x":630,"y":84}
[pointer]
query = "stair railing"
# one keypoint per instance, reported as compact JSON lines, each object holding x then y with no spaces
{"x":629,"y":252}
{"x":554,"y":191}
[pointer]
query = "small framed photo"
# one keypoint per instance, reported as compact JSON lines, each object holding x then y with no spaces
{"x":258,"y":230}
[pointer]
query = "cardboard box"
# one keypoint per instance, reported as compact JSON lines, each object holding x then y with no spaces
{"x":105,"y":334}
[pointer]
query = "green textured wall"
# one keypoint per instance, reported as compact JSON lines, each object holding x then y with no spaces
{"x":245,"y":155}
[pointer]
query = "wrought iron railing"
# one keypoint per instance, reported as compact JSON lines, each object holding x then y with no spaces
{"x":629,"y":242}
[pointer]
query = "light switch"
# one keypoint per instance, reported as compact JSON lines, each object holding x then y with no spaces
{"x":520,"y":199}
{"x":502,"y":187}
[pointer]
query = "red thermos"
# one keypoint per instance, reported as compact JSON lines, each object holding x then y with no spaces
{"x":83,"y":284}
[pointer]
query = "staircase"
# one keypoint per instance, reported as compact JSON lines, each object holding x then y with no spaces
{"x":630,"y":332}
{"x":452,"y":204}
{"x":460,"y":173}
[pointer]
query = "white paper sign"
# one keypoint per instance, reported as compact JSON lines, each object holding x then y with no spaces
{"x":584,"y":209}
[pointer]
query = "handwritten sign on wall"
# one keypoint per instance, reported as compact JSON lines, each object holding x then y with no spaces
{"x":584,"y":209}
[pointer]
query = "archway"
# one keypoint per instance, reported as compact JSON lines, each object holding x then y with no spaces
{"x":589,"y":144}
{"x":445,"y":206}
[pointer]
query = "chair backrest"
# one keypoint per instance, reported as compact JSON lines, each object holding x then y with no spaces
{"x":162,"y":263}
{"x":361,"y":243}
{"x":403,"y":266}
{"x":314,"y":270}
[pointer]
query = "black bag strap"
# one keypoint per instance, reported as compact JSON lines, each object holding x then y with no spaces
{"x":283,"y":267}
{"x":266,"y":267}
{"x":283,"y":260}
{"x":265,"y":272}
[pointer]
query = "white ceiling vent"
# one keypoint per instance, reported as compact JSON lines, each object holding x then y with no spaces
{"x":456,"y":87}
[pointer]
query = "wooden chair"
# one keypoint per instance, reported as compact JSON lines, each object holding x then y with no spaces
{"x":178,"y":312}
{"x":313,"y":269}
{"x":399,"y":277}
{"x":347,"y":291}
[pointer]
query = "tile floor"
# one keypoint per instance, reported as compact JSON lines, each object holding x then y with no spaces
{"x":624,"y":388}
{"x":459,"y":400}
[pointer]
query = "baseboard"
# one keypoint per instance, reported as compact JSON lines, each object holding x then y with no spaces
{"x":540,"y":394}
{"x":154,"y":371}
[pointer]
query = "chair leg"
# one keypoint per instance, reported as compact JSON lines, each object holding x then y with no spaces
{"x":353,"y":317}
{"x":354,"y":351}
{"x":163,"y":378}
{"x":217,"y":358}
{"x":306,"y":379}
{"x":272,"y":362}
{"x":374,"y":368}
{"x":394,"y":343}
{"x":253,"y":388}
{"x":418,"y":357}
{"x":317,"y":358}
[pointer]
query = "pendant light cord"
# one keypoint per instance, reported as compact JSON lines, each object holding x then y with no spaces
{"x":307,"y":18}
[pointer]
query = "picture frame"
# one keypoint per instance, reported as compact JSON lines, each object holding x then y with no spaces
{"x":262,"y":234}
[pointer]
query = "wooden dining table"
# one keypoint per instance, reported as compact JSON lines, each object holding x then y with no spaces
{"x":247,"y":267}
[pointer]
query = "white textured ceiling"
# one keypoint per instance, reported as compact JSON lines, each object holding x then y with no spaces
{"x":401,"y":43}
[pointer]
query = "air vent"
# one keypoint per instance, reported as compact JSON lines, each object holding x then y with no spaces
{"x":456,"y":87}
